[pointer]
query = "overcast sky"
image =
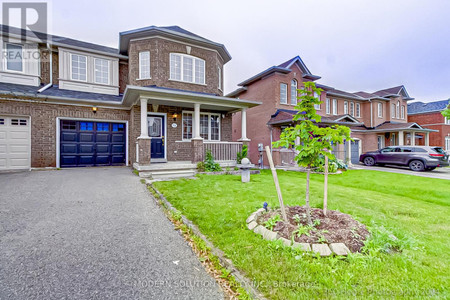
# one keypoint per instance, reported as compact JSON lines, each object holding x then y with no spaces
{"x":353,"y":45}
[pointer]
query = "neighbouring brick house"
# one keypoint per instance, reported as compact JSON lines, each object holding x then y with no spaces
{"x":376,"y":119}
{"x":429,"y":115}
{"x":157,"y":98}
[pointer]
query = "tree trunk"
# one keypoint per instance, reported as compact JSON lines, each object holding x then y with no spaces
{"x":325,"y":188}
{"x":308,"y":210}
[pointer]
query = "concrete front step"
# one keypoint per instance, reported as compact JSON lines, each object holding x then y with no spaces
{"x":167,"y":174}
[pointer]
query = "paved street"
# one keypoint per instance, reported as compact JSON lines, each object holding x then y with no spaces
{"x":92,"y":234}
{"x":440,"y":173}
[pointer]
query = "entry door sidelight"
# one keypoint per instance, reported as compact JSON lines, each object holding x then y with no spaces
{"x":156,"y":130}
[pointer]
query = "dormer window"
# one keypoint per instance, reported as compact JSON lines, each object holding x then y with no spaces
{"x":101,"y":71}
{"x":187,"y":68}
{"x":144,"y":65}
{"x":78,"y":67}
{"x":14,"y":57}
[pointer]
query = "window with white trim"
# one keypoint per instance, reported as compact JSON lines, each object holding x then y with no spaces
{"x":327,"y":106}
{"x":397,"y":110}
{"x":380,"y":110}
{"x":209,"y":126}
{"x":447,"y":143}
{"x":144,"y":65}
{"x":294,"y":92}
{"x":317,"y":106}
{"x":447,"y":121}
{"x":358,"y":110}
{"x":403,"y":112}
{"x":346,"y":107}
{"x":283,"y":93}
{"x":393,"y":110}
{"x":187,"y":68}
{"x":219,"y":74}
{"x":101,"y":71}
{"x":335,"y":107}
{"x":78,"y":67}
{"x":352,"y":109}
{"x":14,"y":57}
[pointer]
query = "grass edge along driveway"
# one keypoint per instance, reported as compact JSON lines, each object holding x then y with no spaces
{"x":414,"y":209}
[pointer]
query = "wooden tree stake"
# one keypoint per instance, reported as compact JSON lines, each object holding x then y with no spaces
{"x":277,"y":185}
{"x":325,"y":188}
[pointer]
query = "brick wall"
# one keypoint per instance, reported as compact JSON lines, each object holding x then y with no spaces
{"x":160,"y":50}
{"x":433,"y":120}
{"x":43,"y":124}
{"x":123,"y":76}
{"x":45,"y":67}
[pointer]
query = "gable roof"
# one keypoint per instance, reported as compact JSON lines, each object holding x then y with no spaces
{"x":394,"y":92}
{"x":284,"y":68}
{"x":421,"y":107}
{"x":174,"y":32}
{"x":285,"y":116}
{"x":61,"y":41}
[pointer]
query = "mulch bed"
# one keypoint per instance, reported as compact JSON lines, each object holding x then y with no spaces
{"x":336,"y":227}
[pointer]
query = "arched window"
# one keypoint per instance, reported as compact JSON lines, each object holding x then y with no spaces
{"x":397,"y":110}
{"x":294,"y":92}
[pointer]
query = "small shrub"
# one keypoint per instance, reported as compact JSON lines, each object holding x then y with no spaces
{"x":270,"y":224}
{"x":210,"y":164}
{"x":302,"y":230}
{"x":242,"y":154}
{"x":201,"y":166}
{"x":383,"y":241}
{"x":227,"y":170}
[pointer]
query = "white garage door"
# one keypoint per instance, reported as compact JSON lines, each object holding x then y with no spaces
{"x":14,"y":143}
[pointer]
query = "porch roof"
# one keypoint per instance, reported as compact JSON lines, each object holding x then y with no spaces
{"x":394,"y":127}
{"x":182,"y":98}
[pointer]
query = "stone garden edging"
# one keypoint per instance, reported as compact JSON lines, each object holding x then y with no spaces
{"x":322,"y":249}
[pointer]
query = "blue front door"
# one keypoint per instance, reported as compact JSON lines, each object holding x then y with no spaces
{"x":156,"y":130}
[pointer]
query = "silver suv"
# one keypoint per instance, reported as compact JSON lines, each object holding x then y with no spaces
{"x":417,"y":158}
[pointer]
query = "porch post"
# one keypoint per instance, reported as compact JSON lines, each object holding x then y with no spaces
{"x":144,"y":141}
{"x":144,"y":122}
{"x":413,"y":138}
{"x":427,"y":139}
{"x":197,"y":140}
{"x":349,"y":152}
{"x":401,"y":136}
{"x":197,"y":121}
{"x":244,"y":125}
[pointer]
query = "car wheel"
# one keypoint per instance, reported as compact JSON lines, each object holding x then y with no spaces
{"x":369,"y":161}
{"x":416,"y":165}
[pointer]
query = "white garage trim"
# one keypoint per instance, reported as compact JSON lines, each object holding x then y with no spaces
{"x":28,"y":118}
{"x":58,"y":146}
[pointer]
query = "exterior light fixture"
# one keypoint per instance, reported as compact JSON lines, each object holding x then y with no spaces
{"x":175,"y":116}
{"x":94,"y":109}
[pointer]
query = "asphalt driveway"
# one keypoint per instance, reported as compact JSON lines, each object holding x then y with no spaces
{"x":440,"y":173}
{"x":92,"y":234}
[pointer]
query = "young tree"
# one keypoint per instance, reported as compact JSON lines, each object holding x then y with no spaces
{"x":315,"y":141}
{"x":446,"y":112}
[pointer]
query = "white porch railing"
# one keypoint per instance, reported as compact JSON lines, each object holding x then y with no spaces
{"x":223,"y":150}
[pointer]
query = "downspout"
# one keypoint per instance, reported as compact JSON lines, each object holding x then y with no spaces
{"x":51,"y":71}
{"x":371,"y":114}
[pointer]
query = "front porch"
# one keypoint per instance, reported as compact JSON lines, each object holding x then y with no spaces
{"x":174,"y":130}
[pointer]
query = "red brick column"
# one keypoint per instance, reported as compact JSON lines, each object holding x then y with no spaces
{"x":197,"y":150}
{"x":144,"y":150}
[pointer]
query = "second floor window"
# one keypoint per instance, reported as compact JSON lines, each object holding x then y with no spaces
{"x":397,"y":111}
{"x":187,"y":68}
{"x":78,"y":67}
{"x":335,"y":107}
{"x":358,"y":110}
{"x":352,"y":109}
{"x":447,"y":121}
{"x":101,"y":71}
{"x":393,"y":110}
{"x":317,"y":106}
{"x":283,"y":93}
{"x":403,"y":112}
{"x":327,"y":106}
{"x":380,"y":110}
{"x":294,"y":92}
{"x":14,"y":57}
{"x":144,"y":65}
{"x":345,"y":107}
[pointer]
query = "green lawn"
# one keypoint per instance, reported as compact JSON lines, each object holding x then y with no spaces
{"x":414,"y":209}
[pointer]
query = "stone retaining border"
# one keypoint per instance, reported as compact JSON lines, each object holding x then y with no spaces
{"x":339,"y":249}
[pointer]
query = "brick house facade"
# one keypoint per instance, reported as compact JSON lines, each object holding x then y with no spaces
{"x":429,"y":115}
{"x":156,"y":99}
{"x":376,"y":119}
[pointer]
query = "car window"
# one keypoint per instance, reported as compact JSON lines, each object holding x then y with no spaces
{"x":439,"y":150}
{"x":406,"y":149}
{"x":419,"y":150}
{"x":387,"y":150}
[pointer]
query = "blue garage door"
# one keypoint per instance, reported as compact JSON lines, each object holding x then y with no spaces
{"x":84,"y":143}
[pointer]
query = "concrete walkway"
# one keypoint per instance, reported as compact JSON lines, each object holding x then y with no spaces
{"x":439,"y":173}
{"x":92,"y":234}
